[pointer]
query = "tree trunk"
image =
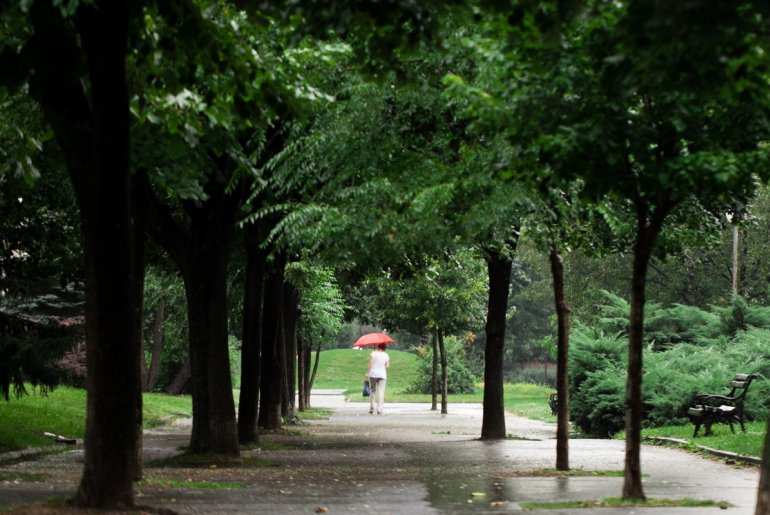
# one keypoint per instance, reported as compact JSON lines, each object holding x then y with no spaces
{"x":308,"y":378}
{"x":253,"y":294}
{"x":157,"y":350}
{"x":200,"y":249}
{"x":93,"y":134}
{"x":180,"y":379}
{"x":205,"y":274}
{"x":139,"y":196}
{"x":562,"y":354}
{"x":271,"y":391}
{"x":493,"y":420}
{"x":442,"y":350}
{"x":302,"y":351}
{"x":647,"y":233}
{"x":434,"y":373}
{"x":315,"y":371}
{"x":763,"y":495}
{"x":290,"y":317}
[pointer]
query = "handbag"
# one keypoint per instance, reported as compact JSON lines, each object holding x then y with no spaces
{"x":367,"y":389}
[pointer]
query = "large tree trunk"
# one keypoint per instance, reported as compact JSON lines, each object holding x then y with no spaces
{"x":493,"y":420}
{"x":253,"y":294}
{"x":647,"y":233}
{"x":205,"y":274}
{"x":763,"y":495}
{"x":442,"y":351}
{"x":139,"y":196}
{"x":201,"y":252}
{"x":271,"y":382}
{"x":562,"y":354}
{"x":93,"y":134}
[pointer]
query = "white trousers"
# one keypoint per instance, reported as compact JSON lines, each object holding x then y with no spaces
{"x":377,"y":396}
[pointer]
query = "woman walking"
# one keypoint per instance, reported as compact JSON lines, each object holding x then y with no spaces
{"x":379,"y":361}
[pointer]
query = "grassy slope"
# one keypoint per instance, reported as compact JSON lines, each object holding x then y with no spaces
{"x":63,"y":412}
{"x":345,"y":369}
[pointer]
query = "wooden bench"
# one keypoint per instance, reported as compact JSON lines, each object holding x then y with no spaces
{"x":553,"y":402}
{"x":708,"y":409}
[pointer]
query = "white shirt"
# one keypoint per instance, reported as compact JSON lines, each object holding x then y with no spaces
{"x":380,"y":361}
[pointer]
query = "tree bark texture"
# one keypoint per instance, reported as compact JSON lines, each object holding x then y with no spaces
{"x":647,"y":233}
{"x":248,"y":404}
{"x":763,"y":495}
{"x":271,"y":391}
{"x":442,"y":351}
{"x":92,"y":130}
{"x":139,"y":196}
{"x":493,"y":420}
{"x":562,"y":354}
{"x":205,"y":274}
{"x":200,"y":249}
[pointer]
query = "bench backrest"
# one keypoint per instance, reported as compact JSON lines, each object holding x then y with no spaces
{"x":740,"y":385}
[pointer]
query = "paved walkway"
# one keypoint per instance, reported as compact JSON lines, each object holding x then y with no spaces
{"x":409,"y":460}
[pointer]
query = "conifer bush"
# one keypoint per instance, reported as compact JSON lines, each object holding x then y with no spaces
{"x":724,"y":344}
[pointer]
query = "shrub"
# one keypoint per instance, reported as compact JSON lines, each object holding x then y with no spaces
{"x":671,"y":378}
{"x":597,"y":382}
{"x":459,"y":377}
{"x":667,"y":326}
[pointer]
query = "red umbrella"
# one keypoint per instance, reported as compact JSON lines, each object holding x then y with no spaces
{"x":370,"y":339}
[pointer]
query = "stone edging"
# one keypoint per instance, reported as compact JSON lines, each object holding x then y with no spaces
{"x":715,"y":452}
{"x":29,"y":453}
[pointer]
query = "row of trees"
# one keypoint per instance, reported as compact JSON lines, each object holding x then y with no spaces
{"x":212,"y":127}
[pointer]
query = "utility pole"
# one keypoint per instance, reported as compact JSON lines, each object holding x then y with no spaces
{"x":735,"y":260}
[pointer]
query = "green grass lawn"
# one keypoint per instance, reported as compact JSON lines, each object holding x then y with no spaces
{"x":345,"y":369}
{"x":63,"y":412}
{"x":23,"y":421}
{"x":749,"y":443}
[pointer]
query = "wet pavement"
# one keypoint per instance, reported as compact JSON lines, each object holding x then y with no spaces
{"x":408,"y":460}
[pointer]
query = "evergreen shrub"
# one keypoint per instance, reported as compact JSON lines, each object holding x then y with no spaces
{"x":671,"y":377}
{"x":664,"y":326}
{"x":459,"y":377}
